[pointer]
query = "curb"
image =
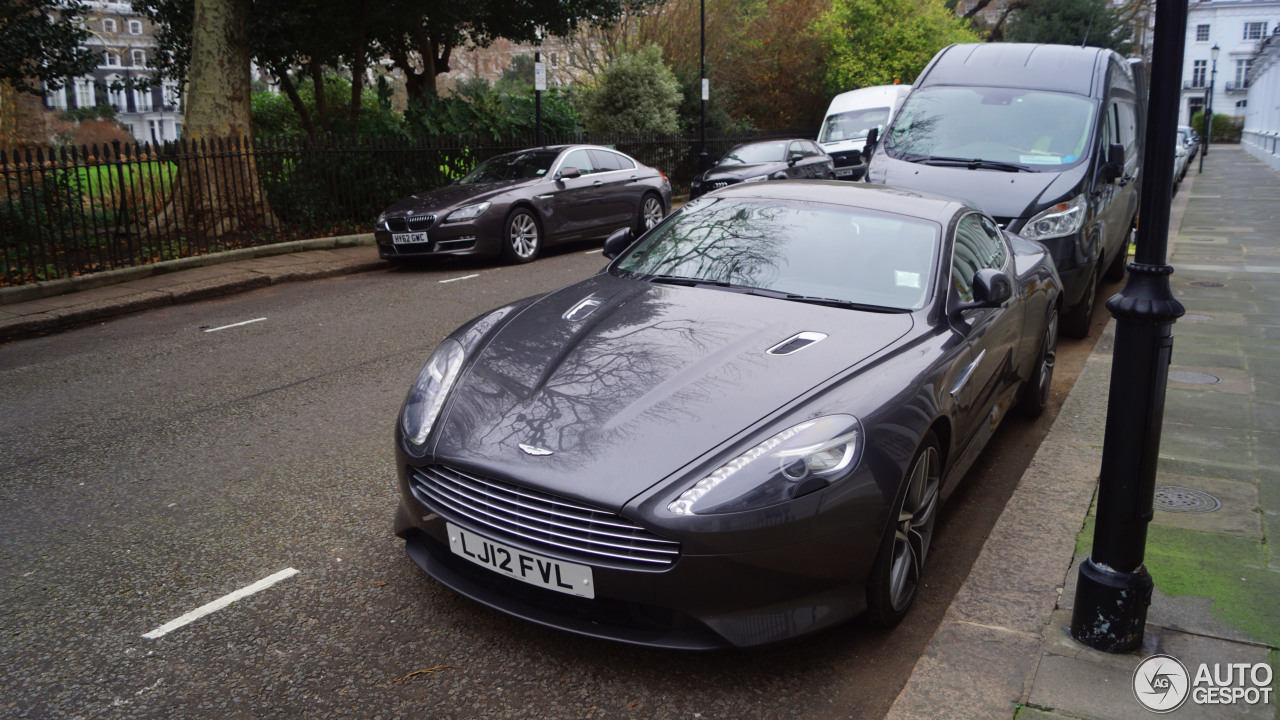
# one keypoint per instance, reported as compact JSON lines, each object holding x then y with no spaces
{"x":67,"y":318}
{"x":63,"y":286}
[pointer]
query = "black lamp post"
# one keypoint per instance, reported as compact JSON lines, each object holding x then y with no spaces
{"x":1114,"y":587}
{"x":705,"y":90}
{"x":1208,"y":105}
{"x":538,"y":82}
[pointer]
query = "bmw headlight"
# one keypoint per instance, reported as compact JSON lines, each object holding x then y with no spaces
{"x":379,"y":224}
{"x":795,"y":462}
{"x":426,"y":397}
{"x":470,"y":212}
{"x":1061,"y":219}
{"x":757,"y":178}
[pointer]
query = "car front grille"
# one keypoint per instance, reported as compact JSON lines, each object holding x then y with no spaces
{"x":846,"y":158}
{"x":719,"y":184}
{"x":416,"y":223}
{"x":541,"y":521}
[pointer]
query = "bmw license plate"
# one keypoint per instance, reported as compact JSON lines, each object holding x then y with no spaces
{"x":408,"y":238}
{"x":544,"y":572}
{"x":843,"y":172}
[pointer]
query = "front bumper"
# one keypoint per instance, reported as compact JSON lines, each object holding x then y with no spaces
{"x":709,"y":598}
{"x":482,"y":236}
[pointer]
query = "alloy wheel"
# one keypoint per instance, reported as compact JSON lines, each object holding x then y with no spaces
{"x":1050,"y":356}
{"x":652,"y":212}
{"x":524,"y":236}
{"x":913,"y":529}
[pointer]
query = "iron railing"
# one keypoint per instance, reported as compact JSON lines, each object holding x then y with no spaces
{"x":71,"y":211}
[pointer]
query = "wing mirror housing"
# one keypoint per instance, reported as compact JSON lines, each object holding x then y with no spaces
{"x":795,"y":158}
{"x":1113,"y":169}
{"x":872,"y":138}
{"x":569,"y":173}
{"x":617,"y":242}
{"x":991,"y":288}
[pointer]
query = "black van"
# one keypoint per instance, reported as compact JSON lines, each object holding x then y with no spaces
{"x":1048,"y":139}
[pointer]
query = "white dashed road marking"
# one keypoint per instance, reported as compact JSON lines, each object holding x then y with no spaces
{"x":220,"y":603}
{"x":464,"y":277}
{"x":246,"y":322}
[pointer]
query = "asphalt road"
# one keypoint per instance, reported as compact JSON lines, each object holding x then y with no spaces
{"x":149,"y":467}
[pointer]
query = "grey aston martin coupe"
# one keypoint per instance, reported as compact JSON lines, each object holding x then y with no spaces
{"x":741,"y":430}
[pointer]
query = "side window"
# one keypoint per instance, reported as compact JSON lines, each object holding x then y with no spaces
{"x":1127,"y":123}
{"x":604,"y":161}
{"x":796,"y":147}
{"x":812,"y":149}
{"x":624,"y":162}
{"x":578,"y":159}
{"x":978,"y":245}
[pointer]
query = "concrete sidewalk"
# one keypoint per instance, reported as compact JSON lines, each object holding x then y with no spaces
{"x":61,"y":304}
{"x":1003,"y":649}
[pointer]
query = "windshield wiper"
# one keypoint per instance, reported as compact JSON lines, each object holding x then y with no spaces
{"x":825,"y":301}
{"x":686,"y":281}
{"x":971,"y":163}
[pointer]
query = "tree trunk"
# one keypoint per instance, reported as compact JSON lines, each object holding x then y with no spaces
{"x":8,"y":117}
{"x":218,"y":198}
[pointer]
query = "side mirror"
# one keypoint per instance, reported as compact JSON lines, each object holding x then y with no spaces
{"x":568,"y":173}
{"x":872,"y":138}
{"x":991,"y":288}
{"x":617,"y":242}
{"x":795,"y":158}
{"x":1114,"y":168}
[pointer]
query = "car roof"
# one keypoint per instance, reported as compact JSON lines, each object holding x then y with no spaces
{"x":881,"y":198}
{"x":877,"y":95}
{"x":1061,"y":68}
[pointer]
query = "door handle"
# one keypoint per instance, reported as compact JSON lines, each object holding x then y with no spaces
{"x":968,"y":373}
{"x":597,"y":183}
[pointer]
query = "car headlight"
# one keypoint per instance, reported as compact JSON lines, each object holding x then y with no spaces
{"x":379,"y":224}
{"x":757,"y":178}
{"x":796,"y":461}
{"x":1061,"y":219}
{"x":470,"y":212}
{"x":426,"y":397}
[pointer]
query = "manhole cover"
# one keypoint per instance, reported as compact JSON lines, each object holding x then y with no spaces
{"x":1191,"y":377}
{"x":1171,"y":498}
{"x":1207,"y":283}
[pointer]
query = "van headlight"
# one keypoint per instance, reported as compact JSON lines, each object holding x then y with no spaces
{"x":426,"y":397}
{"x":796,"y":461}
{"x":1061,"y":219}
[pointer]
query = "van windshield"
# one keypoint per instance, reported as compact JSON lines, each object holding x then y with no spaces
{"x":853,"y":125}
{"x":1027,"y":129}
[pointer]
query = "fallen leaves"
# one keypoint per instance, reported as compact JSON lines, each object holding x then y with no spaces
{"x":428,"y":671}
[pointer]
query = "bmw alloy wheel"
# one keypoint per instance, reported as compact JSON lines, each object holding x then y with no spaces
{"x":651,"y":214}
{"x":522,"y":236}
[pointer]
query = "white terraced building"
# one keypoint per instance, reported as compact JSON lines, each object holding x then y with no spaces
{"x":1261,"y":137}
{"x":1237,"y":28}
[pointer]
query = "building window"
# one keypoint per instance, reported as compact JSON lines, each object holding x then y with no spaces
{"x":1194,"y":105}
{"x":1198,"y":70}
{"x":1202,"y":33}
{"x":135,"y":27}
{"x":115,"y":94}
{"x":169,"y":94}
{"x":111,"y":59}
{"x":555,"y":60}
{"x":108,"y":25}
{"x":142,"y":100}
{"x":1242,"y":72}
{"x":85,"y":93}
{"x":139,"y":58}
{"x":1255,"y":30}
{"x":1242,"y":104}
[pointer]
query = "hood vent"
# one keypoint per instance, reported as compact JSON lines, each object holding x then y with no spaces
{"x":796,"y":343}
{"x":585,"y":307}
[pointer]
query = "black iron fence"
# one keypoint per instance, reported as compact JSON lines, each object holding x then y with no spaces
{"x":76,"y":210}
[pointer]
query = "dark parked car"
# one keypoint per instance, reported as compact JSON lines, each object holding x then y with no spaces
{"x":741,"y":430}
{"x":768,"y":160}
{"x":1049,"y":139}
{"x":515,"y":204}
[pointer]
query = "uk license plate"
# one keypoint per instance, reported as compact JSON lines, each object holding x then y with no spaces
{"x":843,"y":172}
{"x":408,"y":238}
{"x":568,"y":578}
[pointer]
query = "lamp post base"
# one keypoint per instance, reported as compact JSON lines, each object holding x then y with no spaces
{"x":1110,"y":607}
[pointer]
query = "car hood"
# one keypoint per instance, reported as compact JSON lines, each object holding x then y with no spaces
{"x":624,"y":382}
{"x":1001,"y":194}
{"x":739,"y":172}
{"x":452,"y":196}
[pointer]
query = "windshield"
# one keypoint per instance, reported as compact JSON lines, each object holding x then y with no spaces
{"x":1035,"y":129}
{"x":755,"y":153}
{"x":853,"y":125}
{"x":523,"y":165}
{"x":808,"y":249}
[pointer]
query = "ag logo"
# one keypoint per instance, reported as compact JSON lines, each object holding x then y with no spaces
{"x":1161,"y":683}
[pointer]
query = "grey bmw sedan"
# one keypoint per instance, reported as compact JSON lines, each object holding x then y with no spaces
{"x":516,"y":204}
{"x":741,"y":430}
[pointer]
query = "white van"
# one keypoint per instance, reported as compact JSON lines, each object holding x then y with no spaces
{"x":849,"y":119}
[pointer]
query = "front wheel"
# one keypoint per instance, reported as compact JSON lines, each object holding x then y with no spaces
{"x":521,"y":237}
{"x":1077,"y":319}
{"x":895,"y":577}
{"x":1034,"y":396}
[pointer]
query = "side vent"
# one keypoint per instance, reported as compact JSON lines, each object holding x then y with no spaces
{"x":796,"y":343}
{"x":585,"y":307}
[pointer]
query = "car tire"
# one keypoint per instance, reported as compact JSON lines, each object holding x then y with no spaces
{"x":895,"y":576}
{"x":1034,"y":395}
{"x":521,"y":237}
{"x":651,"y":213}
{"x":1077,"y":318}
{"x":831,"y":176}
{"x":1115,"y":271}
